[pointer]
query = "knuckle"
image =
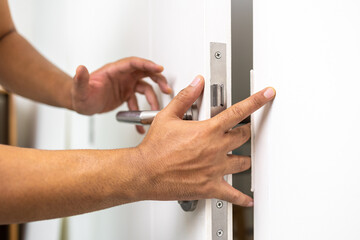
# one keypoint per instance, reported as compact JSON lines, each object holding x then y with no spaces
{"x":246,"y":162}
{"x":182,"y":95}
{"x":211,"y":172}
{"x":242,"y":200}
{"x":214,"y":124}
{"x":240,"y":164}
{"x":237,"y":197}
{"x":213,"y":150}
{"x":206,"y":190}
{"x":159,"y":116}
{"x":256,"y":101}
{"x":160,"y":78}
{"x":240,"y":134}
{"x":130,"y":59}
{"x":149,"y":88}
{"x":137,"y":75}
{"x":234,"y":166}
{"x":233,"y":196}
{"x":237,"y":110}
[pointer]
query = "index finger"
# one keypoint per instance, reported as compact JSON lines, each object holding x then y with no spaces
{"x":238,"y":112}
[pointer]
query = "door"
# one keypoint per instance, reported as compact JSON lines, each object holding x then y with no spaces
{"x":185,"y":37}
{"x":189,"y":38}
{"x":306,"y":144}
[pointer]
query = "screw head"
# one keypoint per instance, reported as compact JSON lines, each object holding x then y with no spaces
{"x":218,"y":55}
{"x":220,"y":233}
{"x":219,"y":204}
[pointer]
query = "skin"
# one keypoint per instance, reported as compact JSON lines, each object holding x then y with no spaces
{"x":38,"y":184}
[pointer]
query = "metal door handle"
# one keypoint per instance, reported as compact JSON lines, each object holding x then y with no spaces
{"x":146,"y":117}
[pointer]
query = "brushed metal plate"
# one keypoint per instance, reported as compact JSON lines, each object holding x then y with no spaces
{"x":219,"y":208}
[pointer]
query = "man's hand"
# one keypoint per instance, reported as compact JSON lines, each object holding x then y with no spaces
{"x":116,"y":83}
{"x":187,"y":160}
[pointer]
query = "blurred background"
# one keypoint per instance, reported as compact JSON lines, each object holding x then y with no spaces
{"x":93,"y":33}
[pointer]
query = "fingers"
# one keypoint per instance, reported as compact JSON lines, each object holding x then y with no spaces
{"x":146,"y":89}
{"x":183,"y":101}
{"x":162,"y":82}
{"x":132,"y":64}
{"x":141,"y":68}
{"x":238,"y":112}
{"x":236,"y":164}
{"x":237,"y":137}
{"x":133,"y":106}
{"x":81,"y":81}
{"x":230,"y":194}
{"x":157,"y":78}
{"x":140,"y":129}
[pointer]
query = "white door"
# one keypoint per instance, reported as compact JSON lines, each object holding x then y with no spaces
{"x":184,"y":36}
{"x":306,"y":144}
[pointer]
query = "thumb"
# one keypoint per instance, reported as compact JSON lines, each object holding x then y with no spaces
{"x":183,"y":101}
{"x":81,"y":80}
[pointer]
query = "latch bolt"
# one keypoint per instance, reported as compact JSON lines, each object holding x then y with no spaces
{"x":217,"y":95}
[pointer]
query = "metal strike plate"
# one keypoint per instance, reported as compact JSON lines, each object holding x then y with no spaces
{"x":219,"y":208}
{"x":218,"y":78}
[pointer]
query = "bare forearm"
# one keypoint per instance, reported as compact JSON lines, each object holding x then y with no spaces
{"x":24,"y":71}
{"x":36,"y":184}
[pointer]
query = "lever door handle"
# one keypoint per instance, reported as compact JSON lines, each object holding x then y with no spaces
{"x":146,"y":117}
{"x":136,"y":117}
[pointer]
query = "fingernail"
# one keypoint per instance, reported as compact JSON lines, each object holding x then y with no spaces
{"x":269,"y":93}
{"x":250,"y":204}
{"x":195,"y":82}
{"x":169,"y":89}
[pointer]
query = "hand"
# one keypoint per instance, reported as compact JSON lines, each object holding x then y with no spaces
{"x":187,"y":160}
{"x":116,"y":83}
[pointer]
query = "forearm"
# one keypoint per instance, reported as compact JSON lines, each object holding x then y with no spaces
{"x":37,"y":184}
{"x":25,"y":71}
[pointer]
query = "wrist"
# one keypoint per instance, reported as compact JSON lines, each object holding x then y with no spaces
{"x":66,"y":98}
{"x":128,"y":175}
